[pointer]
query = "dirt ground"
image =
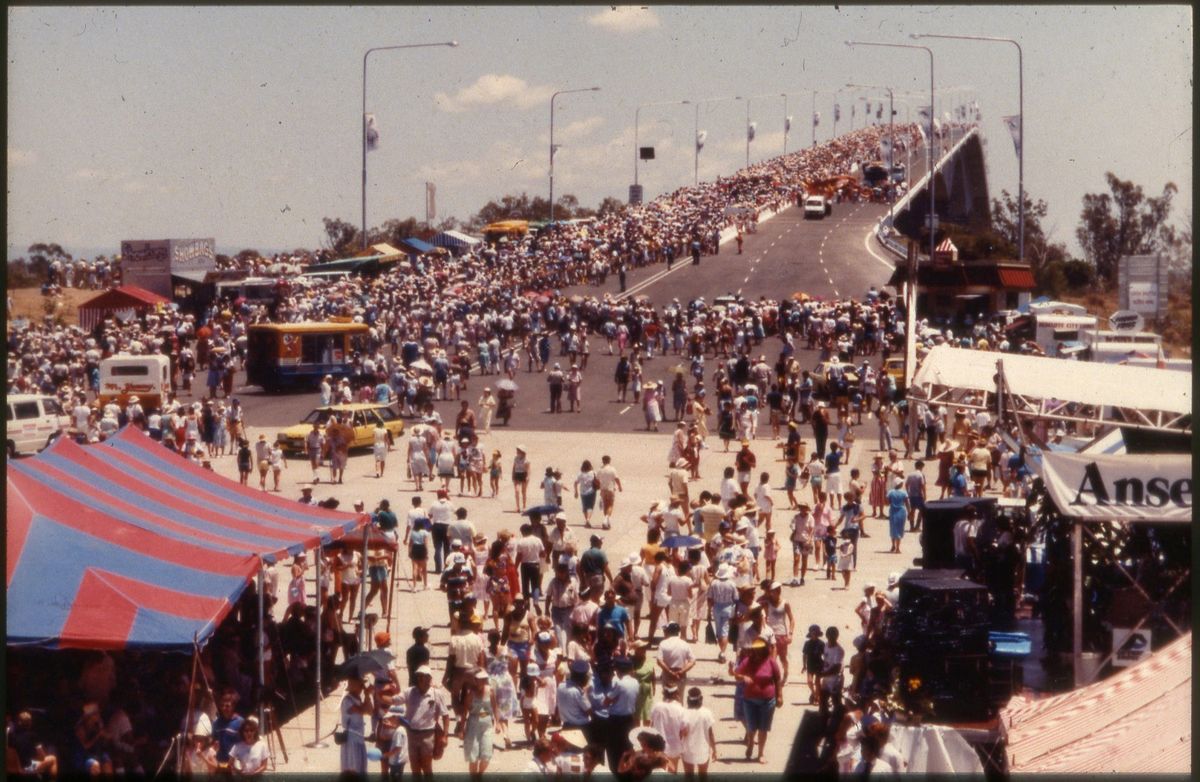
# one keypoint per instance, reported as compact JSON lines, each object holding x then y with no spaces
{"x":30,"y":303}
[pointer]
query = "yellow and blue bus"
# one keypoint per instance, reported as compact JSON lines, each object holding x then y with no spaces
{"x":289,"y":355}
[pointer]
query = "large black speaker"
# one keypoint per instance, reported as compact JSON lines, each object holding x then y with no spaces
{"x":940,"y":633}
{"x":937,"y":527}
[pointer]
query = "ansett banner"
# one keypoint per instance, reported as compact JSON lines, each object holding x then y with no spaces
{"x":1142,"y":487}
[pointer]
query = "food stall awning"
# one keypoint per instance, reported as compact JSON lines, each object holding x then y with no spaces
{"x":420,"y":247}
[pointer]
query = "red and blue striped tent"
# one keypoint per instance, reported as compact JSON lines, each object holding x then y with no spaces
{"x":125,"y":545}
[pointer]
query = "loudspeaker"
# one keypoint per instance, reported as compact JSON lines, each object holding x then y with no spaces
{"x":937,"y":527}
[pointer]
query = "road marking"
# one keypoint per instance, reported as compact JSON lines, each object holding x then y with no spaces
{"x":747,"y":278}
{"x":868,"y":244}
{"x":626,"y":410}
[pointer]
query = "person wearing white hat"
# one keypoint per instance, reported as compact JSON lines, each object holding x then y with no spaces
{"x":427,"y":709}
{"x":722,"y":600}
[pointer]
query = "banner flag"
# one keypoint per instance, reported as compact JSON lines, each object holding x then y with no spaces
{"x":372,"y":132}
{"x":868,"y":107}
{"x":879,"y":112}
{"x":750,"y":131}
{"x":837,"y":112}
{"x":700,"y":137}
{"x":787,"y":124}
{"x":923,"y":114}
{"x":1013,"y":123}
{"x":816,"y":118}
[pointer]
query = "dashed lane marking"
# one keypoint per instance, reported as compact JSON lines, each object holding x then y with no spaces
{"x":626,"y":410}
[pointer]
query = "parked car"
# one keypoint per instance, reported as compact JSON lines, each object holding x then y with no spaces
{"x":363,"y":418}
{"x":823,"y":371}
{"x":33,"y":422}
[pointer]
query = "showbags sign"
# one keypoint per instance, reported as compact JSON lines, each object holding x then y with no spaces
{"x":1099,"y":487}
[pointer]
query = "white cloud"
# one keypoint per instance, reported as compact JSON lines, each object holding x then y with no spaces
{"x":21,"y":157}
{"x":492,"y":88}
{"x":625,"y":19}
{"x":573,"y":131}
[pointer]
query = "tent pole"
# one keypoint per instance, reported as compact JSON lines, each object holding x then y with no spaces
{"x":188,"y":721}
{"x":262,"y":632}
{"x":362,"y":589}
{"x":317,"y":743}
{"x":1077,"y":602}
{"x":391,"y":595}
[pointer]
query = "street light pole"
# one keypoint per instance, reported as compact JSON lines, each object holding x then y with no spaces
{"x":891,"y":136}
{"x":1020,"y":125}
{"x":835,"y":112}
{"x":786,"y":125}
{"x":636,"y":112}
{"x":696,"y":135}
{"x":364,"y":118}
{"x":552,"y":147}
{"x":932,"y":189}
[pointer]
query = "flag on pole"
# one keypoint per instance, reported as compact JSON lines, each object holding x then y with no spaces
{"x":924,"y":113}
{"x":879,"y":112}
{"x":853,"y":109}
{"x":372,"y":132}
{"x":700,"y":137}
{"x":816,"y":118}
{"x":787,"y":124}
{"x":750,"y":131}
{"x":924,"y":137}
{"x":1013,"y":123}
{"x":975,"y":108}
{"x":837,"y":112}
{"x":868,"y":107}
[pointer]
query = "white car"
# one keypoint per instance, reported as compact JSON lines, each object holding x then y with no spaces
{"x":817,"y":207}
{"x":33,"y":422}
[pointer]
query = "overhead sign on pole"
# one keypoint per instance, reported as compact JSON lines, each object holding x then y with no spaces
{"x":1142,"y":281}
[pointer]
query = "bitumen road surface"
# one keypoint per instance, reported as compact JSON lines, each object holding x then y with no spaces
{"x":833,"y":256}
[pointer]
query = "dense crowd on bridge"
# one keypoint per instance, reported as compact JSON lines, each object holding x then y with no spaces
{"x":574,"y":653}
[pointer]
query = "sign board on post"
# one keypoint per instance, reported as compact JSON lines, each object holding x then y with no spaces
{"x":1126,"y":320}
{"x":150,"y":263}
{"x":1129,"y":646}
{"x":1141,"y":283}
{"x":635,"y":194}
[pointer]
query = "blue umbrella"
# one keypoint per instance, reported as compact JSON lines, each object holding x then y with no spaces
{"x":682,"y":541}
{"x":541,"y":510}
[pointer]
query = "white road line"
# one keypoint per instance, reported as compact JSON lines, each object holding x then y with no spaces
{"x":869,"y":245}
{"x":626,"y":410}
{"x":747,"y":278}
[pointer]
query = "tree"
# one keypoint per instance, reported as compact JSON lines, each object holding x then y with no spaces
{"x":248,"y":255}
{"x":394,"y":230}
{"x":610,"y":205}
{"x":341,"y":237}
{"x":1006,"y":223}
{"x":1123,"y":222}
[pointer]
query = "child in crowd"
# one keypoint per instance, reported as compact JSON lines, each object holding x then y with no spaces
{"x":770,"y":554}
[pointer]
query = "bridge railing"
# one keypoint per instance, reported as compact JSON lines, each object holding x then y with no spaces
{"x":885,"y":234}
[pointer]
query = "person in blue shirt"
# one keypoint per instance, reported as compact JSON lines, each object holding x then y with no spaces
{"x":611,"y":613}
{"x":574,"y":705}
{"x":958,"y":478}
{"x":227,"y":727}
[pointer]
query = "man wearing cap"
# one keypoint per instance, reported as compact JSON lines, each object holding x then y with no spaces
{"x":572,"y":698}
{"x":668,"y":717}
{"x":621,"y":710}
{"x":426,"y":711}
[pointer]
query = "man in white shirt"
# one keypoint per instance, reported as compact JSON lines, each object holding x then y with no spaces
{"x":675,"y":657}
{"x":699,"y":744}
{"x":668,"y":717}
{"x":610,"y":484}
{"x":529,"y":559}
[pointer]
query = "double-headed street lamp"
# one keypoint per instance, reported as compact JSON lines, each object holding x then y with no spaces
{"x":891,"y":138}
{"x":932,"y":189}
{"x":364,"y":118}
{"x":1020,"y":125}
{"x":636,"y":113}
{"x":553,"y":148}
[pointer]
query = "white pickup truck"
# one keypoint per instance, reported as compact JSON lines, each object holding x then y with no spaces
{"x":817,"y":207}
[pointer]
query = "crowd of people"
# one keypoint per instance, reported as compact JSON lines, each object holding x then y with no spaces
{"x":602,"y":650}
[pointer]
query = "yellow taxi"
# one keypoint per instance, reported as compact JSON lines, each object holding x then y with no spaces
{"x":361,"y":417}
{"x":894,"y":366}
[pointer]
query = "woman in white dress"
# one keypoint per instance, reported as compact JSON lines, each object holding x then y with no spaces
{"x":380,"y":448}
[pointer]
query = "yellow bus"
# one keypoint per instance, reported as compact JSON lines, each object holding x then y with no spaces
{"x":287,"y":355}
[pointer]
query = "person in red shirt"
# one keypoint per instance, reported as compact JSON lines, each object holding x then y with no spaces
{"x":763,"y":679}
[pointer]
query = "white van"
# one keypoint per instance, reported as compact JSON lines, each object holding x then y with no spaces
{"x":33,"y":422}
{"x":816,"y":207}
{"x":124,"y":375}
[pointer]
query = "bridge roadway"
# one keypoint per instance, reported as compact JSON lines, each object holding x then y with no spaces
{"x":834,"y":256}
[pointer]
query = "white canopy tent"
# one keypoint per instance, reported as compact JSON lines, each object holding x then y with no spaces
{"x":1057,"y":389}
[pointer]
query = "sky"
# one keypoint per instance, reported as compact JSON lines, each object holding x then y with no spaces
{"x":243,"y":124}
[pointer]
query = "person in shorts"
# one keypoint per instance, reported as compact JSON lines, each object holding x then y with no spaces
{"x":812,"y":655}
